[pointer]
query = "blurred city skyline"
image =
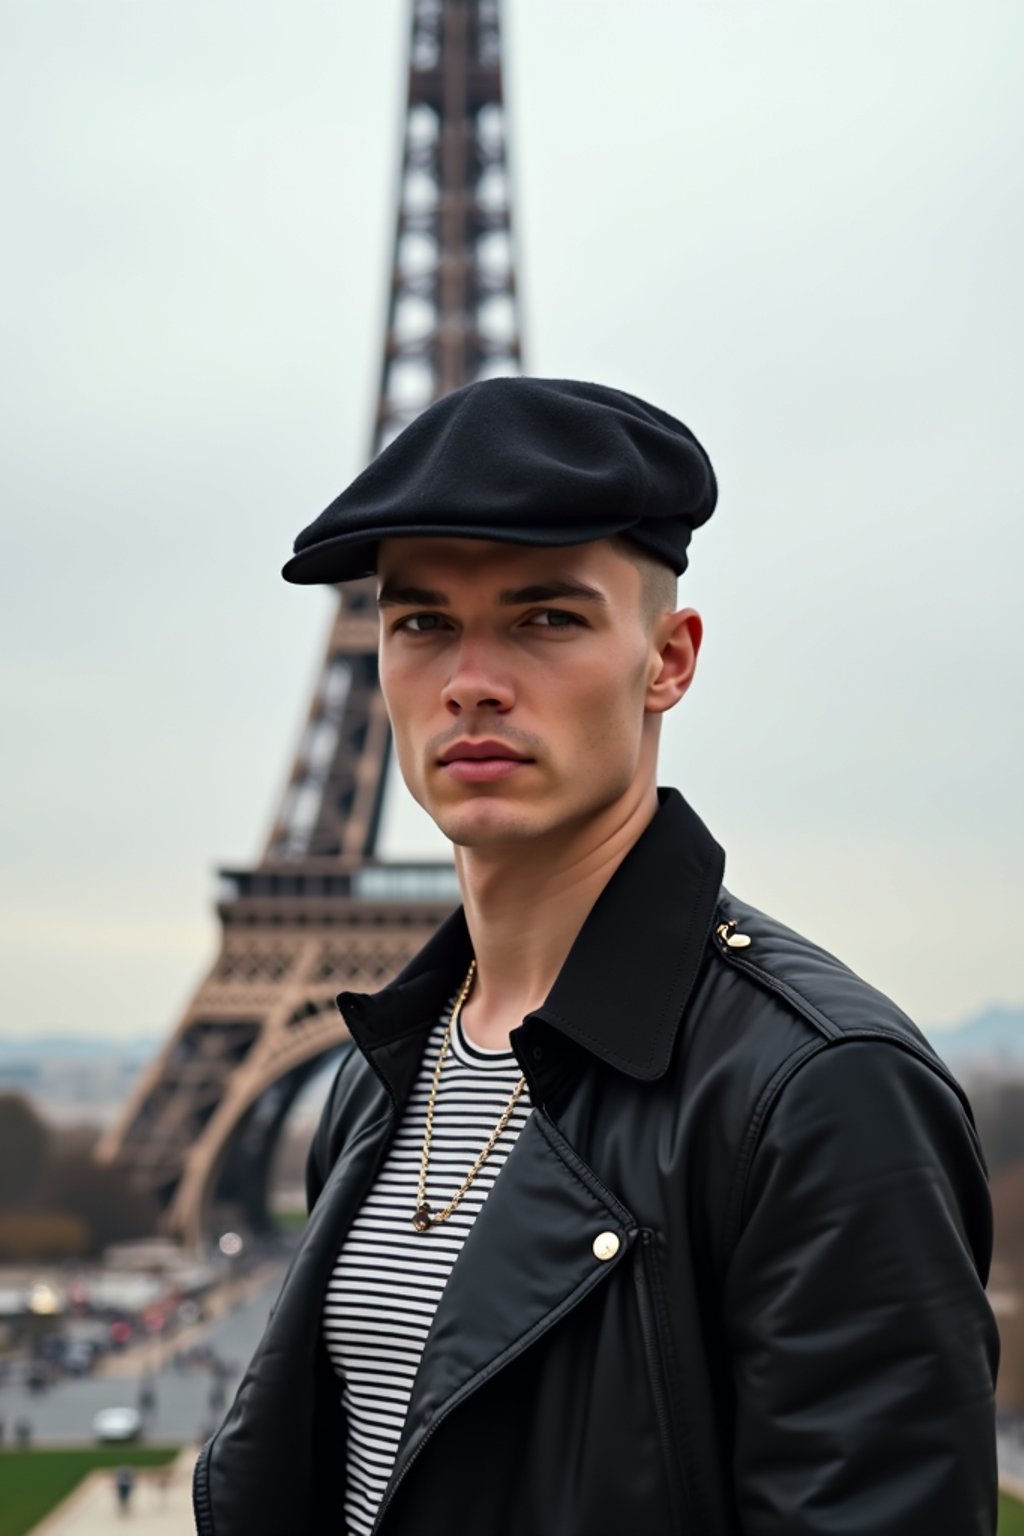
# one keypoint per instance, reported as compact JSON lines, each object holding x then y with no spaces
{"x":799,"y":229}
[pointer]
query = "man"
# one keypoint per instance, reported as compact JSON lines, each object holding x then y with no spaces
{"x":632,"y":1210}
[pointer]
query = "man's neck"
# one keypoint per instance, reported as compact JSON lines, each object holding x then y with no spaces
{"x":526,"y":903}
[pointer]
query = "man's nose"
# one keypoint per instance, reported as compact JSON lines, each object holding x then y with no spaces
{"x":475,"y":682}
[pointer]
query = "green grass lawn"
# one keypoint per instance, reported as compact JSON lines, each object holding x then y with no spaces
{"x":1011,"y":1516}
{"x":289,"y":1221}
{"x":32,"y":1482}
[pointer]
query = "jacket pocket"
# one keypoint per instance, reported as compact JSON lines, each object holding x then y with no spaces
{"x":650,"y":1297}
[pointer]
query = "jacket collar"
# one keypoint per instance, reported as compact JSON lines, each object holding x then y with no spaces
{"x":625,"y":982}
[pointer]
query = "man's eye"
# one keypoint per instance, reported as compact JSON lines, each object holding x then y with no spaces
{"x":560,"y":618}
{"x":421,"y":623}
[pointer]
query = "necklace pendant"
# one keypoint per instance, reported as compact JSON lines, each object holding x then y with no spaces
{"x":421,"y":1220}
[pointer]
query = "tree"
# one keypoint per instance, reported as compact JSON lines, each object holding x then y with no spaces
{"x":1007,"y":1189}
{"x":100,"y":1196}
{"x":37,"y":1237}
{"x":998,"y":1105}
{"x":24,"y":1153}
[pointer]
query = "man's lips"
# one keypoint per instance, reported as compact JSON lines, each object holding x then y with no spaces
{"x":475,"y":750}
{"x":480,"y":762}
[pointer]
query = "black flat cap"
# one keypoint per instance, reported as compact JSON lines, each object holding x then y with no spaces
{"x":525,"y":461}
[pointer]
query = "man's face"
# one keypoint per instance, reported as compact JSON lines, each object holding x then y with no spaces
{"x":538,"y":657}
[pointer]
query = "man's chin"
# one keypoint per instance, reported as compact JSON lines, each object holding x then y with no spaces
{"x":487,"y":822}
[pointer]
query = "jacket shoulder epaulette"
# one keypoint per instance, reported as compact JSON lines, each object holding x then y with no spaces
{"x":828,"y":995}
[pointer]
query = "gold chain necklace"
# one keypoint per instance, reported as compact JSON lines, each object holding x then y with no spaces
{"x":424,"y":1217}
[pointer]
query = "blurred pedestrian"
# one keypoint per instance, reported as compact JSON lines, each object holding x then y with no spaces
{"x":124,"y":1485}
{"x":23,"y":1433}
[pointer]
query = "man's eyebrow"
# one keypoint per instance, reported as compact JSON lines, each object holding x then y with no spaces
{"x":538,"y":592}
{"x":415,"y":597}
{"x":542,"y":591}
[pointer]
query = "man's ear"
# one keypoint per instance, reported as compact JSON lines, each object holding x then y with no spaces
{"x":676,"y":640}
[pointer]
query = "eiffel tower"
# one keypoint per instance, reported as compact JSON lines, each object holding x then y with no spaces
{"x":321,"y":912}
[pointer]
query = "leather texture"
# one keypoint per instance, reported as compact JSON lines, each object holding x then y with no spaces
{"x":793,"y":1337}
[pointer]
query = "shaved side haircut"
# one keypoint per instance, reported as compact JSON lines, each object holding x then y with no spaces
{"x":659,"y":583}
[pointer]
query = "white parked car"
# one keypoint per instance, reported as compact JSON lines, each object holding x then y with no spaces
{"x":117,"y":1424}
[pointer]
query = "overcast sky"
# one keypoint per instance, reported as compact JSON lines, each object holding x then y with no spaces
{"x":797,"y":226}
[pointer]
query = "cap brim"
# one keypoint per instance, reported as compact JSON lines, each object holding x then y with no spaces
{"x":351,"y":556}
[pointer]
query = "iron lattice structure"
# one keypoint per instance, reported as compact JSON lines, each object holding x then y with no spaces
{"x":321,"y":912}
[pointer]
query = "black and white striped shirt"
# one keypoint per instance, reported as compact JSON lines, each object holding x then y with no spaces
{"x":388,"y":1278}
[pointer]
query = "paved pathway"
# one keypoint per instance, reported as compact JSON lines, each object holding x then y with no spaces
{"x":154,"y":1511}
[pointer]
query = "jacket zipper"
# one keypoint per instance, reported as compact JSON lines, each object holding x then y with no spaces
{"x":646,"y":1285}
{"x":390,"y":1490}
{"x":201,"y":1506}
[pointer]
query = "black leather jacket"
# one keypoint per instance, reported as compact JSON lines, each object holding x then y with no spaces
{"x":792,"y":1337}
